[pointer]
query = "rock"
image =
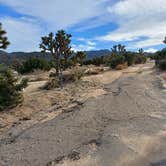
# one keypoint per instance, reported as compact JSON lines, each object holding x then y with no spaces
{"x":93,"y":71}
{"x":2,"y":125}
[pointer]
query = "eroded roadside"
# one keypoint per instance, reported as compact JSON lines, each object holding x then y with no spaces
{"x":40,"y":106}
{"x":125,"y":126}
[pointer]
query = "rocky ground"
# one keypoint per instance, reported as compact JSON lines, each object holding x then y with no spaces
{"x":123,"y":126}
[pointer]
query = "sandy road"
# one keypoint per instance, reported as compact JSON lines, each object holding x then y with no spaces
{"x":125,"y":127}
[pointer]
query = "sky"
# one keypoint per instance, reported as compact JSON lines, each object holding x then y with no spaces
{"x":94,"y":24}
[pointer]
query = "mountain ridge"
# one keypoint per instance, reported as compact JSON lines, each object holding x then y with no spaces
{"x":7,"y":58}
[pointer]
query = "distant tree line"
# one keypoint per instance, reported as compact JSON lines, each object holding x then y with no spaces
{"x":119,"y":56}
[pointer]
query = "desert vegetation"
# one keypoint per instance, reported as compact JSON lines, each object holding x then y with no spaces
{"x":160,"y":58}
{"x":70,"y":66}
{"x":3,"y":39}
{"x":10,"y":85}
{"x":35,"y":64}
{"x":82,"y":83}
{"x":10,"y":88}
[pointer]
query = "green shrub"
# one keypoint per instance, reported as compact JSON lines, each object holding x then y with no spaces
{"x":117,"y":60}
{"x":160,"y":57}
{"x":35,"y":63}
{"x":10,"y":89}
{"x":96,"y":61}
{"x":162,"y":64}
{"x":140,"y":59}
{"x":129,"y":58}
{"x":23,"y":84}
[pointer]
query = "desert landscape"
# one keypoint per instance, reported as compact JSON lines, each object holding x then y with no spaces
{"x":82,"y":83}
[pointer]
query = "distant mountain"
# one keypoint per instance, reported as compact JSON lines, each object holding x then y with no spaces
{"x":7,"y":58}
{"x":97,"y":53}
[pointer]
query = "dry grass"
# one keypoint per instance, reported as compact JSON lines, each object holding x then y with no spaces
{"x":121,"y":66}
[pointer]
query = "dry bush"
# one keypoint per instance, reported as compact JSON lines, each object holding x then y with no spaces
{"x":74,"y":74}
{"x":121,"y":66}
{"x":51,"y":84}
{"x":78,"y":73}
{"x":94,"y":71}
{"x":37,"y":75}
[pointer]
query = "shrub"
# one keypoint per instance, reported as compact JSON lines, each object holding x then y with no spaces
{"x":10,"y":89}
{"x":97,"y":61}
{"x":35,"y":63}
{"x":140,"y":59}
{"x":122,"y":66}
{"x":162,"y":64}
{"x":74,"y":75}
{"x":51,"y":84}
{"x":117,"y":60}
{"x":160,"y":57}
{"x":23,"y":84}
{"x":130,"y":58}
{"x":78,"y":73}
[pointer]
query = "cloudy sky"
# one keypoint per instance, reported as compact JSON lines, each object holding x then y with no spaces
{"x":94,"y":24}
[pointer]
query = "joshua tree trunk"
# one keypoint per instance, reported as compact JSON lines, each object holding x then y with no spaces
{"x":65,"y":62}
{"x":57,"y":64}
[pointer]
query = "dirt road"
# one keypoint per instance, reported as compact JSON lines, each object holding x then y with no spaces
{"x":125,"y":127}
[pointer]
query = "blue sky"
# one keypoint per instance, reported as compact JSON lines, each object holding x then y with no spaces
{"x":94,"y":24}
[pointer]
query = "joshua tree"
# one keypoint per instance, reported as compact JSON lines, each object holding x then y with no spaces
{"x":3,"y":39}
{"x":74,"y":60}
{"x":118,"y":49}
{"x":114,"y":50}
{"x":68,"y":52}
{"x":121,"y":48}
{"x":58,"y":46}
{"x":141,"y":51}
{"x":81,"y":55}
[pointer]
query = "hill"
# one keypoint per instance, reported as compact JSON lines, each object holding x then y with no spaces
{"x":7,"y":58}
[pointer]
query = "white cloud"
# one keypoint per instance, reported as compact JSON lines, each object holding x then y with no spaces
{"x":148,"y":42}
{"x":143,"y":24}
{"x":82,"y":47}
{"x":47,"y":16}
{"x":151,"y":50}
{"x":23,"y":34}
{"x":90,"y":43}
{"x":138,"y":19}
{"x":81,"y":39}
{"x":58,"y":13}
{"x":86,"y":45}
